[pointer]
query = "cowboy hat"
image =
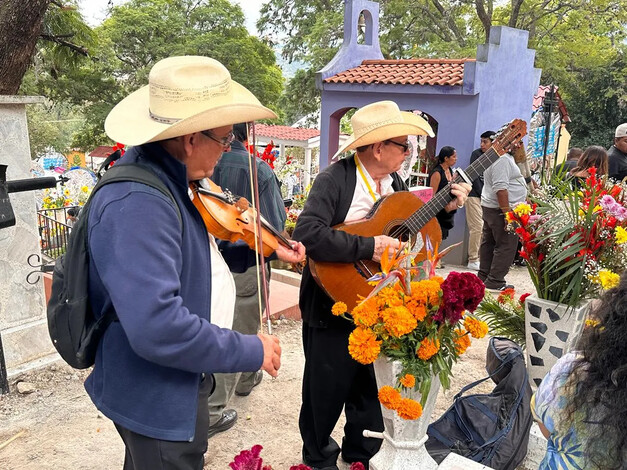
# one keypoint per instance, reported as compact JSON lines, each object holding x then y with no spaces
{"x":185,"y":94}
{"x":381,"y":121}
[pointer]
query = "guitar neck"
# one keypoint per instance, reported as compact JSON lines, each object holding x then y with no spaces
{"x":427,"y":212}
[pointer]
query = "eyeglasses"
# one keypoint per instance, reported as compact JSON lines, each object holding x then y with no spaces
{"x":404,"y":146}
{"x":224,"y":141}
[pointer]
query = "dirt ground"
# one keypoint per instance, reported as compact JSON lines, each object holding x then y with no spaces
{"x":57,"y":426}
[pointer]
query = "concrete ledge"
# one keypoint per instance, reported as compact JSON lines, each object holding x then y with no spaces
{"x":536,"y":450}
{"x":287,"y":277}
{"x":26,"y":343}
{"x":457,"y":462}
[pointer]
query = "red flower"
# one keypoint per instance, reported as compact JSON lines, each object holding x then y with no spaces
{"x":523,"y":298}
{"x":503,"y":296}
{"x":357,"y":466}
{"x":460,"y":292}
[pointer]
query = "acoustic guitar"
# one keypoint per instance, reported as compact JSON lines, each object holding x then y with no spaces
{"x":403,"y":215}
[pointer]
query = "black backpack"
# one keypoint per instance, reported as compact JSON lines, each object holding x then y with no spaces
{"x":74,"y":330}
{"x":492,"y":429}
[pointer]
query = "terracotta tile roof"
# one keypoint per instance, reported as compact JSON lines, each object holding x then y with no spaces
{"x":101,"y":152}
{"x":286,"y":132}
{"x":405,"y":72}
{"x":538,"y":100}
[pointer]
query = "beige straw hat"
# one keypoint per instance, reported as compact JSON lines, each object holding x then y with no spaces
{"x":185,"y":94}
{"x":380,"y":121}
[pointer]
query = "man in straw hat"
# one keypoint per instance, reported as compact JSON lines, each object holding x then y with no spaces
{"x":346,"y":191}
{"x":164,"y":277}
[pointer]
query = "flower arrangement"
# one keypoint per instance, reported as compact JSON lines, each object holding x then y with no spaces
{"x":64,"y":197}
{"x":574,"y":240}
{"x":251,"y":460}
{"x":417,"y":318}
{"x":267,"y":156}
{"x":504,"y":315}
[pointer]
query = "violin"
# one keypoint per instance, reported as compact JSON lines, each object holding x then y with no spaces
{"x":229,"y":218}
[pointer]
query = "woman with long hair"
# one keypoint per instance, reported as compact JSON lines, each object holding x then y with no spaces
{"x":594,"y":156}
{"x":439,"y":177}
{"x":581,"y":403}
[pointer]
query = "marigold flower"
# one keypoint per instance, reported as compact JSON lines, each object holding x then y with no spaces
{"x":389,"y":297}
{"x":522,"y":209}
{"x":408,"y":381}
{"x":389,"y":397}
{"x":363,"y":345}
{"x":461,"y":340}
{"x":409,"y":409}
{"x":419,"y":311}
{"x":427,"y":349}
{"x":339,"y":308}
{"x":476,"y":328}
{"x":621,"y":235}
{"x":398,"y":321}
{"x":366,"y":313}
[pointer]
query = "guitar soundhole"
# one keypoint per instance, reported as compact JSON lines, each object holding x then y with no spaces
{"x":399,"y":231}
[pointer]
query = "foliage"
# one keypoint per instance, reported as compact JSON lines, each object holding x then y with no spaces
{"x":504,"y":315}
{"x":573,"y":239}
{"x":51,"y":126}
{"x":418,"y":319}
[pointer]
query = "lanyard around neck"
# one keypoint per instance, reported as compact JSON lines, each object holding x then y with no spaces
{"x":363,"y":177}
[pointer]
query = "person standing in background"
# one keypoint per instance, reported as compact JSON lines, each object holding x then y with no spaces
{"x":474,"y":216}
{"x":617,"y":154}
{"x":439,"y":177}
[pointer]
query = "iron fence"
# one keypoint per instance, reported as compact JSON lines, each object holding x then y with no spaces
{"x":54,"y":229}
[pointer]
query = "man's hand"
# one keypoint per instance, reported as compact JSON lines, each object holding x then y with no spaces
{"x":294,"y":255}
{"x":460,"y":191}
{"x":271,"y":354}
{"x":380,"y":242}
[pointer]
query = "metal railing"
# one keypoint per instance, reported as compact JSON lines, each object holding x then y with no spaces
{"x":54,"y":229}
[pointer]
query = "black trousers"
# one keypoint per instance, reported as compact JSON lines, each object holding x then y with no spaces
{"x":146,"y":453}
{"x":333,"y":380}
{"x":497,"y":249}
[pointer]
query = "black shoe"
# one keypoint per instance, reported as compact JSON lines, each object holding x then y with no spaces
{"x":500,"y":289}
{"x":226,"y":421}
{"x":257,"y":381}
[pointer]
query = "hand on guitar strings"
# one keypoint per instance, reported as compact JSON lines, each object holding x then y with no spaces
{"x":382,"y":241}
{"x":460,"y":191}
{"x":294,"y":255}
{"x":271,"y":354}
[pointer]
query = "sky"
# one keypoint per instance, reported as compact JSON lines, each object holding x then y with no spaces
{"x":95,"y":11}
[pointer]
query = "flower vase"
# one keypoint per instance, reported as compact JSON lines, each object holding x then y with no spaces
{"x":403,"y":440}
{"x":551,"y":330}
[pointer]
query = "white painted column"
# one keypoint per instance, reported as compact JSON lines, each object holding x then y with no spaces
{"x":307,"y":175}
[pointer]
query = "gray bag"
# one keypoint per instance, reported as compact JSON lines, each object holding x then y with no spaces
{"x":491,"y":429}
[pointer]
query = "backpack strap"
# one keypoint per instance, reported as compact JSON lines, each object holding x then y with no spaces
{"x":140,"y":174}
{"x":127,"y":172}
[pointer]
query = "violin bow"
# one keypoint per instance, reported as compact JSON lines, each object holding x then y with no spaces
{"x":262,"y":282}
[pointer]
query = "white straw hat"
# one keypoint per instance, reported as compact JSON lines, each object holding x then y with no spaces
{"x":185,"y":94}
{"x":381,"y":121}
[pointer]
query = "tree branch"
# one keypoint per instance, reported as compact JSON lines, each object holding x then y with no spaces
{"x":59,"y":40}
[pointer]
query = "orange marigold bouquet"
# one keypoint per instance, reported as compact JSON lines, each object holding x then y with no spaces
{"x":417,"y":318}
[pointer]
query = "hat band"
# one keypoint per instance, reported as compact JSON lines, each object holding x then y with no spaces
{"x":163,"y":120}
{"x":376,"y":125}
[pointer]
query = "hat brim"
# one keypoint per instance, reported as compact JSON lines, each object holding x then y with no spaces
{"x":129,"y":122}
{"x":412,"y":124}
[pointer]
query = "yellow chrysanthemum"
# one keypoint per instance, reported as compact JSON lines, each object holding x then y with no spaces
{"x":389,"y":397}
{"x":363,"y":346}
{"x":428,"y":349}
{"x":621,"y":235}
{"x":476,"y":328}
{"x":408,"y":381}
{"x":366,"y":313}
{"x":409,"y":409}
{"x":339,"y":308}
{"x":607,"y":279}
{"x":461,"y":340}
{"x":398,"y":321}
{"x":522,"y":209}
